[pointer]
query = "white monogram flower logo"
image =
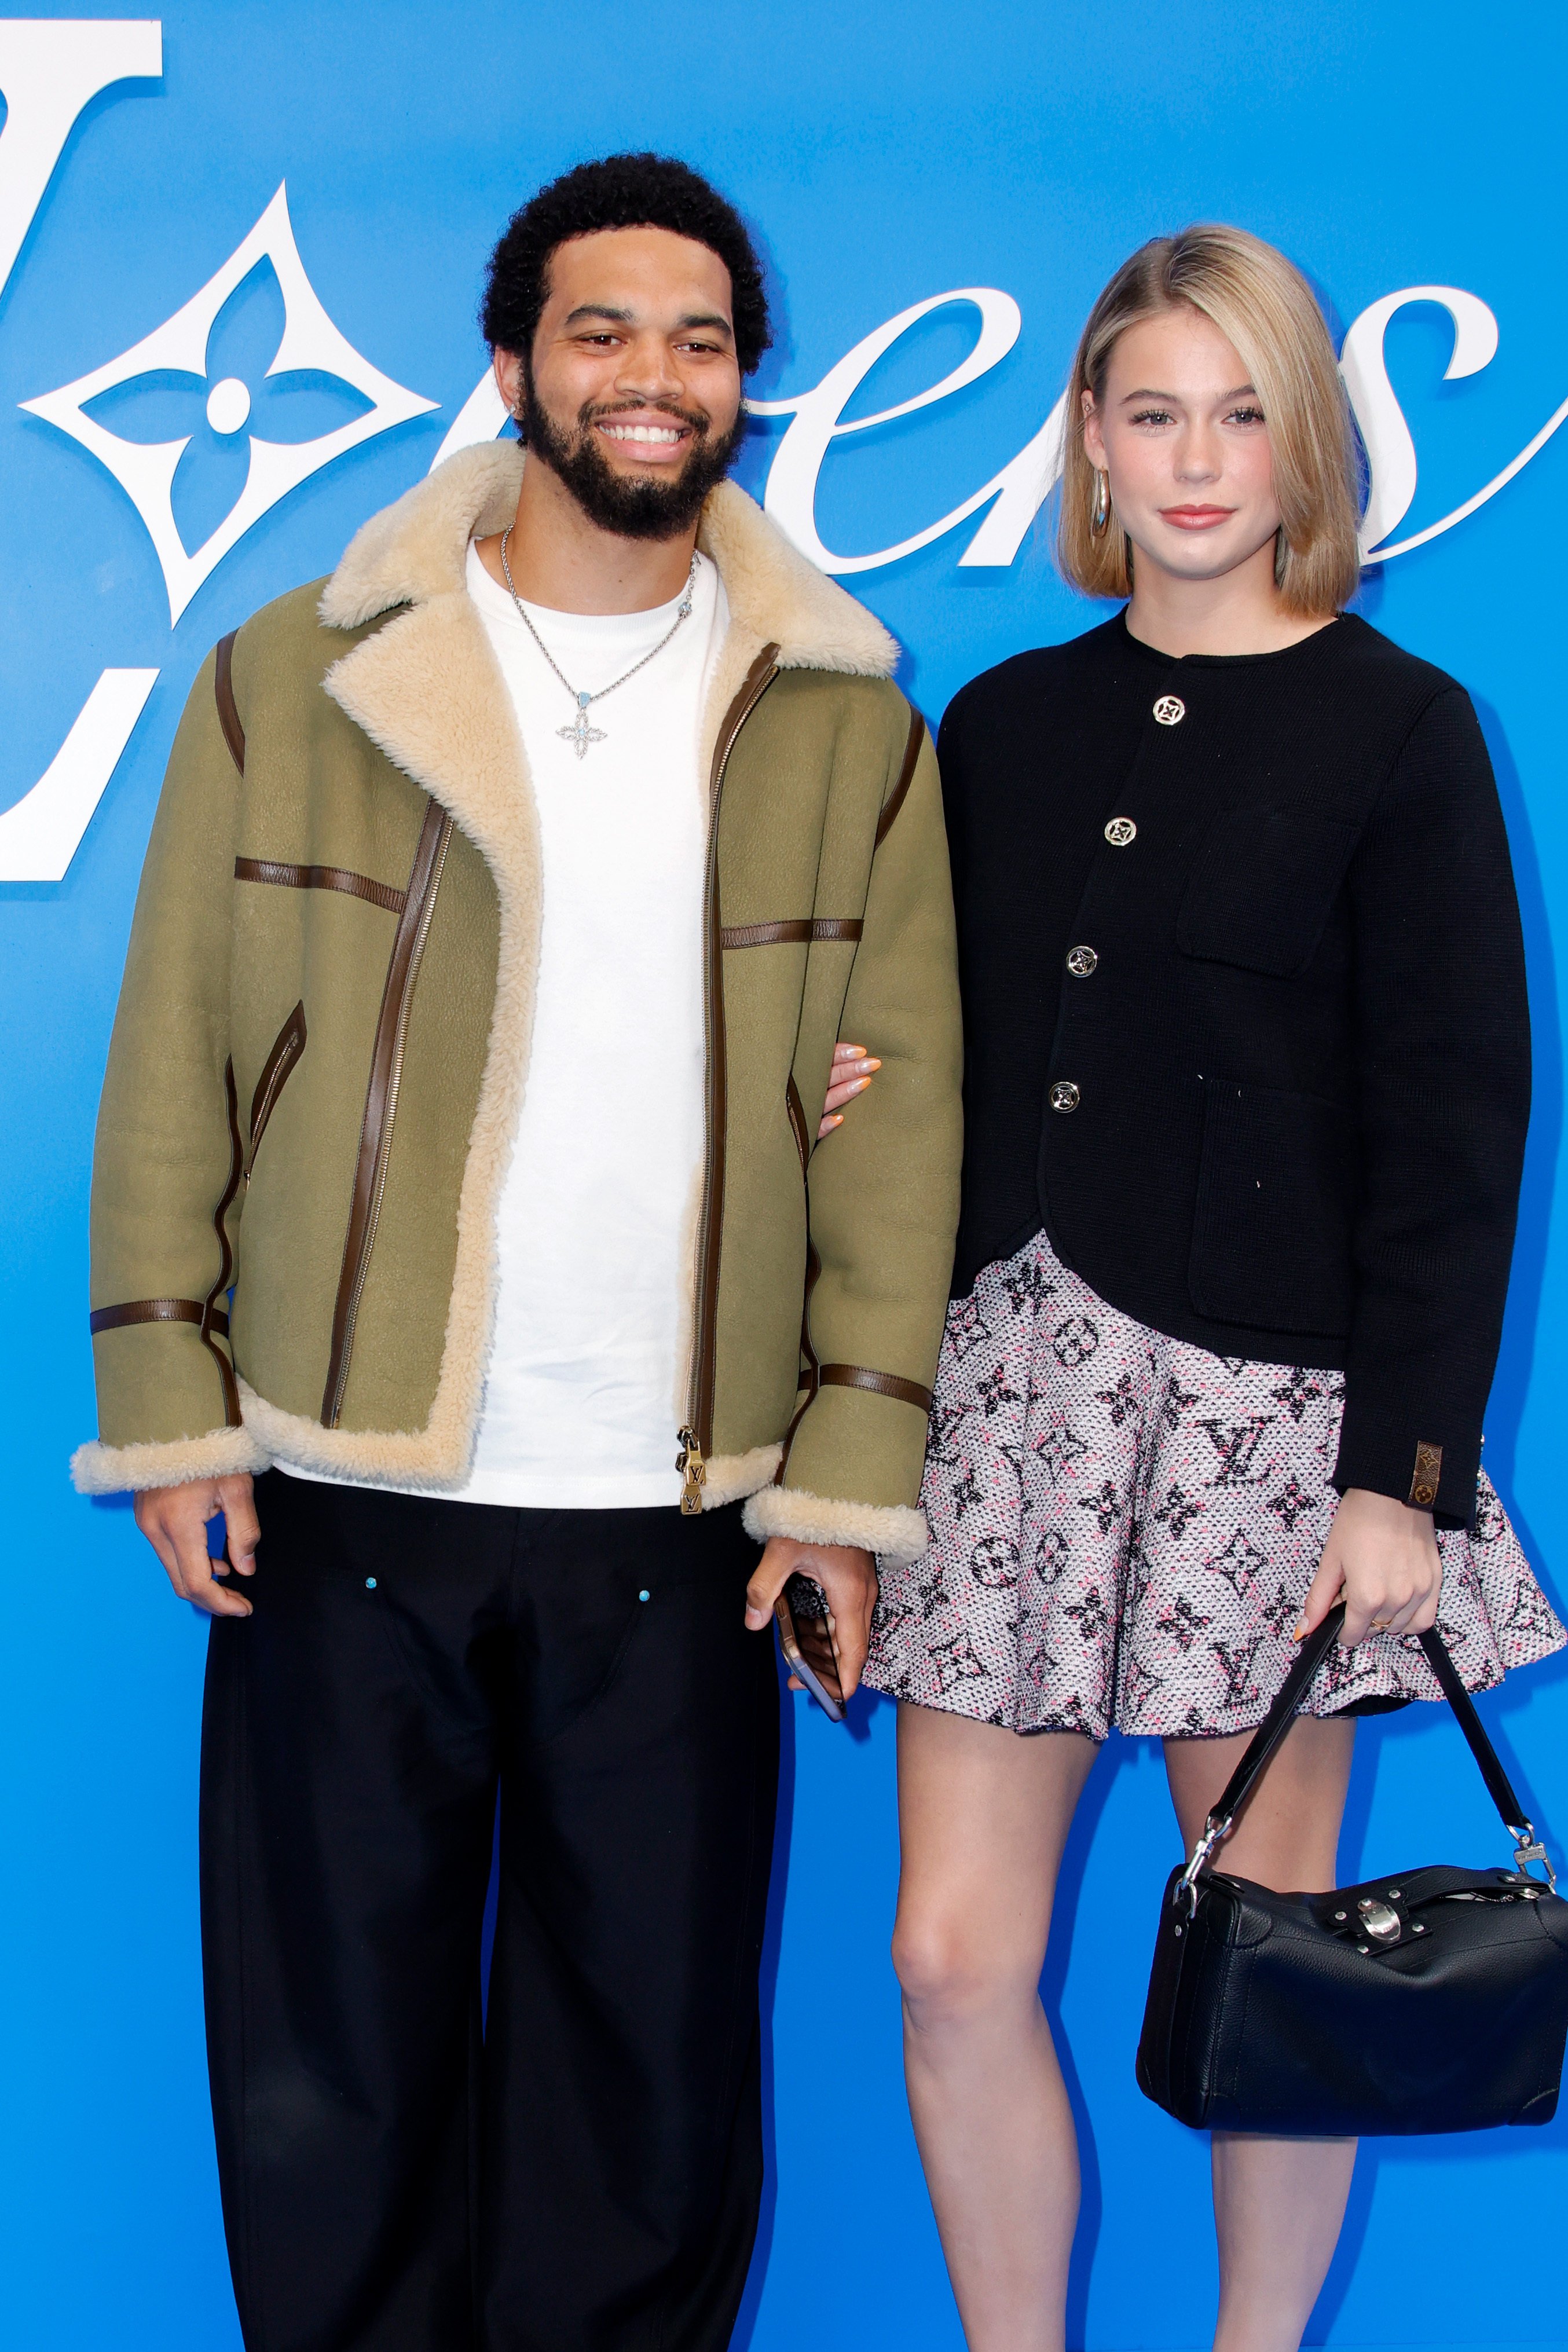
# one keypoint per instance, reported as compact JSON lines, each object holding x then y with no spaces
{"x":309,"y":345}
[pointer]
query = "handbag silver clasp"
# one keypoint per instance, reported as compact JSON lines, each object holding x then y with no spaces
{"x":1380,"y":1920}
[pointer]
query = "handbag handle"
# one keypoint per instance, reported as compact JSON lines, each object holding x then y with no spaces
{"x":1277,"y":1722}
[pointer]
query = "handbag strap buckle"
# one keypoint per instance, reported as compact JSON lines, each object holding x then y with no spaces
{"x":1530,"y":1849}
{"x":1216,"y":1829}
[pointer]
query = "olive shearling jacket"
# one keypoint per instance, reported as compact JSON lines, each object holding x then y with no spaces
{"x":324,"y":1031}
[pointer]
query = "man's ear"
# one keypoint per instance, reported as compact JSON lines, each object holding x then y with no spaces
{"x":507,"y":369}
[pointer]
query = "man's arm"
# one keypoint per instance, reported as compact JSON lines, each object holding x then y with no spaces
{"x":883,"y":1196}
{"x":167,"y":1161}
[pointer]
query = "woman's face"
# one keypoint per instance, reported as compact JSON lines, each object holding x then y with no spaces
{"x":1181,"y":435}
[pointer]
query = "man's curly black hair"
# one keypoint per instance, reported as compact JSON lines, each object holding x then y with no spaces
{"x":619,"y":192}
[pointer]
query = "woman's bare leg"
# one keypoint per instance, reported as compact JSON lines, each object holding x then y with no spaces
{"x":984,"y":1815}
{"x":1279,"y":2203}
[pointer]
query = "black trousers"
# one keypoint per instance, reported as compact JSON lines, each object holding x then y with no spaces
{"x":582,"y":2173}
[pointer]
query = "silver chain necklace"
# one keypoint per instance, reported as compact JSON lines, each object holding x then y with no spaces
{"x":580,"y":732}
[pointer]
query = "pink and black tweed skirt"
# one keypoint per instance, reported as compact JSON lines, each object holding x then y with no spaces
{"x":1124,"y":1528}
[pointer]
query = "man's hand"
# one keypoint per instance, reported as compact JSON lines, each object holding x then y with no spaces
{"x":848,"y":1576}
{"x":175,"y":1521}
{"x":1382,"y":1559}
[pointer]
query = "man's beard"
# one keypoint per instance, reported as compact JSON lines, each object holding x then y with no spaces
{"x":645,"y":508}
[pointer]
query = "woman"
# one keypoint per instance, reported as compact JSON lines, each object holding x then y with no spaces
{"x":1247,"y":1090}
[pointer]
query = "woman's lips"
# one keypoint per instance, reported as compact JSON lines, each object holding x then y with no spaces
{"x":1195,"y":517}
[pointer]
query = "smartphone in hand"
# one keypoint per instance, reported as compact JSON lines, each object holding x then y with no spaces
{"x":806,"y":1640}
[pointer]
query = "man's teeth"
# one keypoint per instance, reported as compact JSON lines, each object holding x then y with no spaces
{"x":663,"y":434}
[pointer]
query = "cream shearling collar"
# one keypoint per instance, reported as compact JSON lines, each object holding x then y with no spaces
{"x":417,"y":549}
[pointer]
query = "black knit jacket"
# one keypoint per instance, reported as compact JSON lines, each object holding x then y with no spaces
{"x":1278,"y":1107}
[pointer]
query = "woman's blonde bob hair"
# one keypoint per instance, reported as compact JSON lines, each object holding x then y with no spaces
{"x":1264,"y":306}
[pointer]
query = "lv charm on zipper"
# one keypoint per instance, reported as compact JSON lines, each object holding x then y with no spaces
{"x":693,"y":1471}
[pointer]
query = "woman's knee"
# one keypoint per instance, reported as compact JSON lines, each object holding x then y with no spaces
{"x":953,"y":1970}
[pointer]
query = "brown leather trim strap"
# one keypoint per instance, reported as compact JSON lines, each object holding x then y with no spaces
{"x":855,"y":1376}
{"x":799,"y":932}
{"x":381,"y":1096}
{"x":211,"y":1311}
{"x":320,"y":877}
{"x":288,"y":1046}
{"x":223,"y":695}
{"x":896,"y":798}
{"x":799,"y":1127}
{"x":753,"y":685}
{"x":155,"y":1310}
{"x":808,"y":1383}
{"x":1426,"y":1476}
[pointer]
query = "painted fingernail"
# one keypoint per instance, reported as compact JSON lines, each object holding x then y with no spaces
{"x":1300,"y":1630}
{"x":874,"y":1064}
{"x":837,"y":1119}
{"x":858,"y":1085}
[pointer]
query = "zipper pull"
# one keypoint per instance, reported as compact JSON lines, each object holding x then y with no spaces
{"x":694,"y":1470}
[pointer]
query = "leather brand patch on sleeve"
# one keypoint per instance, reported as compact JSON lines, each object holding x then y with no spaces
{"x":1426,"y":1476}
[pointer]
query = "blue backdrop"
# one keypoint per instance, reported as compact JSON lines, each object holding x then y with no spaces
{"x":889,"y":153}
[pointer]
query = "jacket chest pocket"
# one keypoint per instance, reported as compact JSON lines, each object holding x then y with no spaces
{"x":1262,"y":889}
{"x":276,"y":1071}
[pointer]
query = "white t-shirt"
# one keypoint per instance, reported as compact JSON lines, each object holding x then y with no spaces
{"x":580,"y":1410}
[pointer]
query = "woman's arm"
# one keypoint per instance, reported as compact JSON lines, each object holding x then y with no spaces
{"x":1442,"y":1080}
{"x":1443,"y":1087}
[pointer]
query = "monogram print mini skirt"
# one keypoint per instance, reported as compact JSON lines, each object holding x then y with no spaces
{"x":1124,"y":1528}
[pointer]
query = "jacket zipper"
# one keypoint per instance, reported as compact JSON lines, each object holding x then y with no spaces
{"x":375,"y":1137}
{"x":696,"y":1435}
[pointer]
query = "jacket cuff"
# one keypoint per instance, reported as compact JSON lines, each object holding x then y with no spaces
{"x":99,"y":1469}
{"x":891,"y":1531}
{"x":1390,"y":1457}
{"x":732,"y":1475}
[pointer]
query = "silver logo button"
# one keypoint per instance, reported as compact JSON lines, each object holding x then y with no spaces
{"x":1170,"y":710}
{"x":1065,"y":1096}
{"x":1082,"y":961}
{"x":1120,"y":831}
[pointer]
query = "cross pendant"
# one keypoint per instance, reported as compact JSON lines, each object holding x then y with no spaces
{"x":581,"y":733}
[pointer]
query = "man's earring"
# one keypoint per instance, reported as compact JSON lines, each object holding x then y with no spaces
{"x":1100,"y":509}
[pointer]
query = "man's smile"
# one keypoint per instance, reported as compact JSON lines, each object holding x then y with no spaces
{"x":655,"y":440}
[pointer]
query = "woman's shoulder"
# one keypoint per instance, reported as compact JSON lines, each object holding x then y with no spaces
{"x":1363,"y":656}
{"x":1025,"y":685}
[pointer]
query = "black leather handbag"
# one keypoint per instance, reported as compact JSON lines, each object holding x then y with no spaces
{"x":1432,"y":2001}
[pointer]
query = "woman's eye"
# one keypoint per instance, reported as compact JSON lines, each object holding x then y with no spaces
{"x":1246,"y":416}
{"x":1152,"y":416}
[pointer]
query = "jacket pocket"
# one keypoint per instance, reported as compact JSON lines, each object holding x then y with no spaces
{"x":1262,"y":888}
{"x":276,"y":1072}
{"x":1272,"y":1229}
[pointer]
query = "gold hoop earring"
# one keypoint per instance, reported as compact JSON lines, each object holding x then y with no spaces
{"x":1099,"y":507}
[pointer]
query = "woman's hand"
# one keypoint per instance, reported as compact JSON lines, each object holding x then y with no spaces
{"x":853,"y":1070}
{"x":1382,"y":1559}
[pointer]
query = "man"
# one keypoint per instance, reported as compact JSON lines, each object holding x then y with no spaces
{"x":506,"y":897}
